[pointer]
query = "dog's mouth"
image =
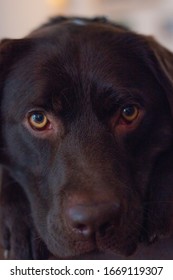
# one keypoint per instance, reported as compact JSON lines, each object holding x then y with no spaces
{"x":98,"y":245}
{"x":116,"y":235}
{"x":92,"y":250}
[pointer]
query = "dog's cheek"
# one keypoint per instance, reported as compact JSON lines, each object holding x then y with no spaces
{"x":28,"y":153}
{"x":159,"y":210}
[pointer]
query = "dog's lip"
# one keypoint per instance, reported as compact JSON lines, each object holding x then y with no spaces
{"x":94,"y":250}
{"x":95,"y":255}
{"x":109,"y":254}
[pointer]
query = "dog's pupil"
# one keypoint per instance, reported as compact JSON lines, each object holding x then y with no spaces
{"x":129,"y":111}
{"x":38,"y":117}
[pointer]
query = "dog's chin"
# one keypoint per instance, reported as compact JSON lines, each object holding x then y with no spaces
{"x":122,"y":251}
{"x":97,"y":254}
{"x":87,"y":250}
{"x":93,"y":255}
{"x":115,"y":242}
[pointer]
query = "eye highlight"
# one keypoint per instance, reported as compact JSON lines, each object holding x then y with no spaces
{"x":129,"y":113}
{"x":38,"y":120}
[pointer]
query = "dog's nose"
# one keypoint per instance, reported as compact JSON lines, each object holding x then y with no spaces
{"x":87,"y":220}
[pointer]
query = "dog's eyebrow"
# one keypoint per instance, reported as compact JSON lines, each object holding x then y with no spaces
{"x":122,"y":95}
{"x":111,"y":99}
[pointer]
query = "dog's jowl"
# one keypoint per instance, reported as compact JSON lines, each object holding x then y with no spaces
{"x":86,"y":143}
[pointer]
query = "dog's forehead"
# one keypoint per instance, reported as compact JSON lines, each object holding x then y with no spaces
{"x":74,"y":26}
{"x":74,"y":62}
{"x":87,"y":47}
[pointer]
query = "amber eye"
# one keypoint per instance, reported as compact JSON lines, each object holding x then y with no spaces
{"x":38,"y":120}
{"x":130,"y":113}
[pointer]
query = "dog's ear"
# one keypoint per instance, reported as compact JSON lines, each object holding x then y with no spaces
{"x":161,"y":64}
{"x":160,"y":211}
{"x":10,"y":51}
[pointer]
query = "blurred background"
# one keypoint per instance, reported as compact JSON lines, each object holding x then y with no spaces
{"x":18,"y":17}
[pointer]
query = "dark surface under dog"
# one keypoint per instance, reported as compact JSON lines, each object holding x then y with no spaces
{"x":86,"y":143}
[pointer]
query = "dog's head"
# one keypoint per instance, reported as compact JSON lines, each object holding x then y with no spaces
{"x":86,"y":129}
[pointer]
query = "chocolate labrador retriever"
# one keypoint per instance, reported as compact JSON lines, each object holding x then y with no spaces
{"x":86,"y":143}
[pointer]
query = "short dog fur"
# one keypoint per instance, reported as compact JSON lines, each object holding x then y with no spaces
{"x":86,"y":143}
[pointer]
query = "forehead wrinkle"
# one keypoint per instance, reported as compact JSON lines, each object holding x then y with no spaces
{"x":77,"y":61}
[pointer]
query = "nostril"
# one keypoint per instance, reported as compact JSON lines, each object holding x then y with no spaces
{"x":81,"y":227}
{"x":79,"y":219}
{"x":85,"y":230}
{"x":86,"y":220}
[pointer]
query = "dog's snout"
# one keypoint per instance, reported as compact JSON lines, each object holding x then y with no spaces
{"x":88,"y":219}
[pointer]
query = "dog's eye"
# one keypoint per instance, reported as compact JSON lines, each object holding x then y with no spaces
{"x":129,"y":113}
{"x":38,"y":120}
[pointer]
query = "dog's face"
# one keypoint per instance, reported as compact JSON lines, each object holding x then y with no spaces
{"x":86,"y":128}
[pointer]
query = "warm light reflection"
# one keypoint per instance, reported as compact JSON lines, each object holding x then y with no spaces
{"x":58,"y":3}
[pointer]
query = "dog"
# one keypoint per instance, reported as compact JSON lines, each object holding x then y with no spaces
{"x":86,"y":143}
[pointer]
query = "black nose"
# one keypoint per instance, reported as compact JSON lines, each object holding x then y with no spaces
{"x":86,"y":220}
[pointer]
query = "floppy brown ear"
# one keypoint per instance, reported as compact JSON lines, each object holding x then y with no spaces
{"x":162,"y":67}
{"x":160,"y":194}
{"x":10,"y":51}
